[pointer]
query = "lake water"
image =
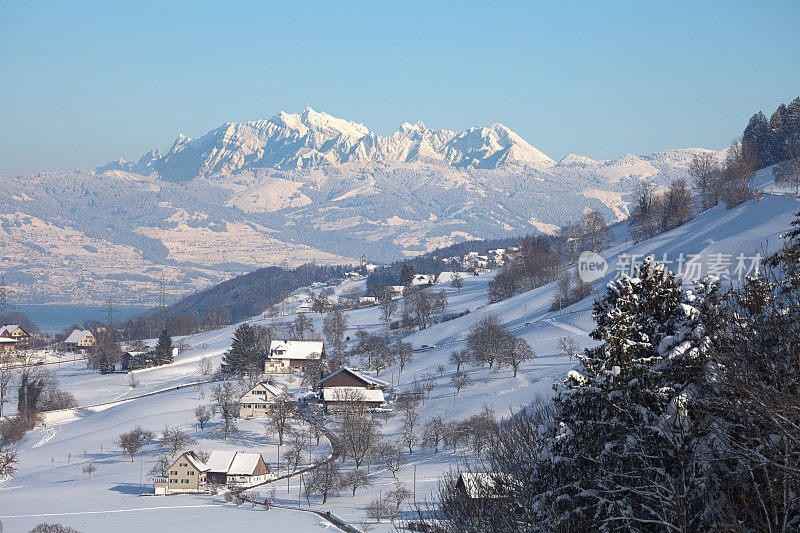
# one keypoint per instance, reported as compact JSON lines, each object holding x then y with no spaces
{"x":54,"y":318}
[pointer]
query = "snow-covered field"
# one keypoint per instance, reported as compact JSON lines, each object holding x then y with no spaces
{"x":51,"y":487}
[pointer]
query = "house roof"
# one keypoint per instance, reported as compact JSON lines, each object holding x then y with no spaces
{"x":446,"y":277}
{"x":11,"y":328}
{"x":295,"y":349}
{"x":352,"y":394}
{"x":363,"y":377}
{"x":194,"y":460}
{"x":272,"y":389}
{"x":233,"y":463}
{"x":244,"y":464}
{"x":220,"y":461}
{"x":8,"y":340}
{"x":77,"y":336}
{"x":484,"y":484}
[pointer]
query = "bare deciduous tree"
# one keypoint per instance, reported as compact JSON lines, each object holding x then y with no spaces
{"x":567,"y":347}
{"x":402,"y":353}
{"x":458,"y":358}
{"x":433,"y":433}
{"x":227,"y":405}
{"x":132,"y":441}
{"x":89,"y":469}
{"x":325,"y":480}
{"x":175,"y":439}
{"x":8,"y":462}
{"x":203,"y":415}
{"x":205,"y":367}
{"x":355,"y":479}
{"x":392,"y":457}
{"x":518,"y":352}
{"x":280,"y":416}
{"x":398,"y":495}
{"x":460,"y":380}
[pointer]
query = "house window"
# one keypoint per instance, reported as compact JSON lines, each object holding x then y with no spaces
{"x":173,"y":480}
{"x":191,"y":472}
{"x":173,"y":473}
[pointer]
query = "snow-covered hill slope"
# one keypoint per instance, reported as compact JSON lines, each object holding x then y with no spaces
{"x":714,"y":240}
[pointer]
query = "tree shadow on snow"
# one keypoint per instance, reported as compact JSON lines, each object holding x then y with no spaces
{"x":130,"y":488}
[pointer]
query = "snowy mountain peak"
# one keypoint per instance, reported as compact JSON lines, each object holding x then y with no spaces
{"x":310,"y":120}
{"x":575,"y":159}
{"x":313,"y":138}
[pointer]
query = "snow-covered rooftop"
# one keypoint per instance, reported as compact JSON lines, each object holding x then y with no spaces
{"x":10,"y":328}
{"x":220,"y":460}
{"x":196,"y":462}
{"x":77,"y":336}
{"x":287,"y":349}
{"x":244,"y":464}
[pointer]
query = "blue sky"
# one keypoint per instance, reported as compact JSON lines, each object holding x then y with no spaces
{"x":82,"y":83}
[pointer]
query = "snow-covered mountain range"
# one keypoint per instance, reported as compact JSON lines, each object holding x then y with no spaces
{"x":311,"y":139}
{"x":292,"y":189}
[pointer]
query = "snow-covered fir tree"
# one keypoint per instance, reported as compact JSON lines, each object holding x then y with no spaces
{"x":627,"y":442}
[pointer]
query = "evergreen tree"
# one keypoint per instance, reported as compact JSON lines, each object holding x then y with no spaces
{"x":246,"y":353}
{"x":625,"y":443}
{"x":163,"y":350}
{"x":407,"y":274}
{"x":757,"y":138}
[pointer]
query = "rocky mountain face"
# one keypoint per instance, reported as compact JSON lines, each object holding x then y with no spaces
{"x":292,"y":189}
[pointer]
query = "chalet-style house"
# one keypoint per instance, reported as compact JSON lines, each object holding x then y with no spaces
{"x":79,"y":340}
{"x":187,"y":474}
{"x":291,"y":356}
{"x":237,"y":468}
{"x":350,"y":377}
{"x":348,"y":385}
{"x":258,"y":401}
{"x":16,"y":332}
{"x":7,"y":343}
